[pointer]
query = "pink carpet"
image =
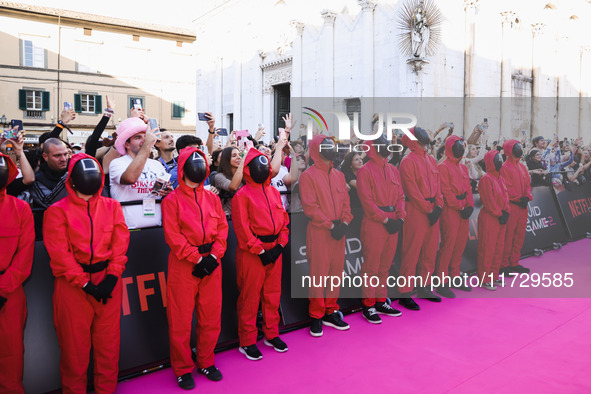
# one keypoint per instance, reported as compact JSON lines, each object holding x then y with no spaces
{"x":464,"y":345}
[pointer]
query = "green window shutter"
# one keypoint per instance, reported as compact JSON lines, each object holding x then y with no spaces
{"x":77,"y":103}
{"x":22,"y":99}
{"x":178,"y":109}
{"x":45,"y":101}
{"x":98,"y":104}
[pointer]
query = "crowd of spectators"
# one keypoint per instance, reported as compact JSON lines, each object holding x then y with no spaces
{"x":136,"y":157}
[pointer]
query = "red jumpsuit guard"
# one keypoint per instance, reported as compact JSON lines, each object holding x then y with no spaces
{"x":420,"y":181}
{"x":491,"y":234}
{"x":324,"y":195}
{"x":379,"y":188}
{"x":192,"y":218}
{"x":457,"y":194}
{"x":78,"y":232}
{"x":257,"y":211}
{"x":518,"y":184}
{"x":17,"y":245}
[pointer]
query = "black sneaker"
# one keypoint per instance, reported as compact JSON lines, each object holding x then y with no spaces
{"x":251,"y":352}
{"x":212,"y":373}
{"x":316,"y":328}
{"x":425,"y":293}
{"x":383,"y":308}
{"x":186,"y":382}
{"x":507,"y":271}
{"x":335,"y":320}
{"x":520,"y":269}
{"x":371,"y":315}
{"x":277,"y":344}
{"x":462,"y":287}
{"x":409,"y":303}
{"x":445,"y":292}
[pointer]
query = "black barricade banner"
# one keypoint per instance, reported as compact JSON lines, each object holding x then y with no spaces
{"x":544,"y":224}
{"x":575,"y":205}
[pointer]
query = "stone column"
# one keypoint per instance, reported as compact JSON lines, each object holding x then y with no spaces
{"x":367,"y":59}
{"x":509,"y":19}
{"x":327,"y":45}
{"x":470,"y":10}
{"x":540,"y":105}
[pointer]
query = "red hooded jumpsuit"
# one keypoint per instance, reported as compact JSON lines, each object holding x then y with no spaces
{"x":257,"y":211}
{"x":380,"y":191}
{"x":491,"y":234}
{"x":78,"y":232}
{"x":192,"y":218}
{"x":17,"y":245}
{"x":457,"y":194}
{"x":324,"y":195}
{"x":518,"y":184}
{"x":420,"y":181}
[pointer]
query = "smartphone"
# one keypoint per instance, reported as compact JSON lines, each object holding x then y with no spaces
{"x":137,"y":104}
{"x":261,"y":126}
{"x":161,"y":183}
{"x":223,"y":132}
{"x":203,"y":116}
{"x":16,"y":123}
{"x":67,"y":105}
{"x":242,"y":133}
{"x":153,"y":122}
{"x":485,"y":120}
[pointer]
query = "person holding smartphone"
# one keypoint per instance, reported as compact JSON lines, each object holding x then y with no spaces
{"x":87,"y":239}
{"x":17,"y":245}
{"x":195,"y":229}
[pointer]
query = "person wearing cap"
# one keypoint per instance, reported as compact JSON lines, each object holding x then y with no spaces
{"x":420,"y":182}
{"x":325,"y":200}
{"x":518,"y":184}
{"x":17,"y":244}
{"x":133,"y":174}
{"x":260,"y":223}
{"x":87,"y":239}
{"x":196,"y":230}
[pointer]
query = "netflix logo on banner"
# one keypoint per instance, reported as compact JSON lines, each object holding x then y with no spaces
{"x":580,"y":207}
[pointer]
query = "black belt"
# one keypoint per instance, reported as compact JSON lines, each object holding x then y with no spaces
{"x":388,"y":208}
{"x":268,"y":238}
{"x":461,"y":196}
{"x":205,"y":248}
{"x":430,"y":199}
{"x":516,"y":203}
{"x":94,"y":268}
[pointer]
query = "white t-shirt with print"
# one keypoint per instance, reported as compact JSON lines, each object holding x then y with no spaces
{"x":277,"y":183}
{"x":134,"y":214}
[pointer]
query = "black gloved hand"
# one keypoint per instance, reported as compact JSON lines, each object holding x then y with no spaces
{"x":105,"y":288}
{"x":434,"y":215}
{"x":93,"y":290}
{"x":2,"y":301}
{"x":466,"y":212}
{"x":393,"y":226}
{"x":276,"y":252}
{"x":266,"y":258}
{"x":207,"y":265}
{"x":504,"y":217}
{"x":339,"y":229}
{"x":523,"y":202}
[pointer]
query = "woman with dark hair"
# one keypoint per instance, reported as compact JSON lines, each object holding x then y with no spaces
{"x":351,"y":164}
{"x":537,"y":168}
{"x":229,"y":177}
